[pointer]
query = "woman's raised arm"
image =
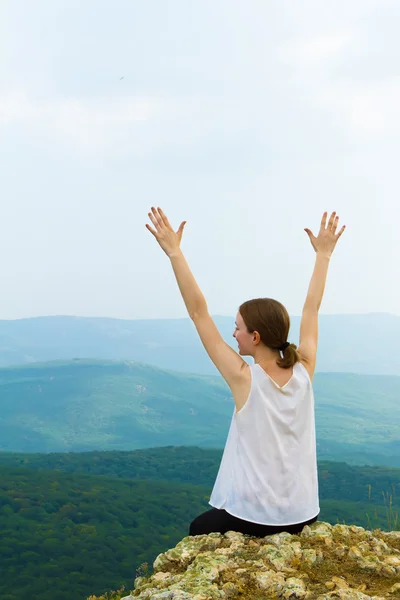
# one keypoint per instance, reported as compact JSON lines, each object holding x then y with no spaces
{"x":227,"y":361}
{"x":324,"y":244}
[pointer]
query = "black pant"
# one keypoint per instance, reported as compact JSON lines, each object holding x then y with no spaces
{"x":218,"y":520}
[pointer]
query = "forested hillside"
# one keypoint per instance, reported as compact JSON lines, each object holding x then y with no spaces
{"x":104,"y":405}
{"x":66,"y":534}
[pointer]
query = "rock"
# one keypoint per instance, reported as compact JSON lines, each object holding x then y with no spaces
{"x":317,"y":530}
{"x":340,"y":583}
{"x":270,"y":581}
{"x":294,"y":588}
{"x":393,"y":561}
{"x":160,"y":576}
{"x":173,"y":595}
{"x":340,"y":550}
{"x":309,"y":557}
{"x":348,"y":595}
{"x":349,"y":562}
{"x":234,"y":536}
{"x":330,"y":585}
{"x":230,"y":590}
{"x":186,"y":550}
{"x":342,"y":530}
{"x":281,"y":558}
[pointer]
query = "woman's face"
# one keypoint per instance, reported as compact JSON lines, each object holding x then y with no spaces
{"x":243,"y":337}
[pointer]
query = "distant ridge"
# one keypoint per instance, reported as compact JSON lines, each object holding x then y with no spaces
{"x":87,"y":404}
{"x":365,"y":343}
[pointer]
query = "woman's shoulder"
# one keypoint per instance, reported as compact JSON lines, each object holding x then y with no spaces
{"x":241,"y":387}
{"x":304,"y":370}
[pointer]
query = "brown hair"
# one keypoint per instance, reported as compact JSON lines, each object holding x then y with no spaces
{"x":271,"y":320}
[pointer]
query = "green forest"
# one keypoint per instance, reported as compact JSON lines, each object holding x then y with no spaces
{"x":78,"y":524}
{"x":199,"y":466}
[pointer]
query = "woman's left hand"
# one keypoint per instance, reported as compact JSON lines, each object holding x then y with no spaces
{"x":327,"y":237}
{"x":168,"y":239}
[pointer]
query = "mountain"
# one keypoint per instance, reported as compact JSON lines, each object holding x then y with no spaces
{"x":102,"y":405}
{"x":348,"y":343}
{"x":87,"y":405}
{"x":67,"y":533}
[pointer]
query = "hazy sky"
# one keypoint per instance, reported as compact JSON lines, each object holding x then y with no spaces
{"x":247,"y":119}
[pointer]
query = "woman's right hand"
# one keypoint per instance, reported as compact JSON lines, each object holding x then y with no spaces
{"x":168,"y":239}
{"x":327,"y":237}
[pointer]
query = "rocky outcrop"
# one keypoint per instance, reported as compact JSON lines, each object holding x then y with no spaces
{"x":324,"y":562}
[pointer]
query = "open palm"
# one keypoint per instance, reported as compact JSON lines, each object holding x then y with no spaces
{"x":327,"y":237}
{"x":168,"y":239}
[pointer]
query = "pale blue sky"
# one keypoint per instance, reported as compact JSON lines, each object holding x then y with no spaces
{"x":247,"y":119}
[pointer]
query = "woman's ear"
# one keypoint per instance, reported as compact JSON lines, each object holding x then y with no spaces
{"x":256,"y":338}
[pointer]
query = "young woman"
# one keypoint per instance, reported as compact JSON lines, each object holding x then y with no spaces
{"x":267,"y":481}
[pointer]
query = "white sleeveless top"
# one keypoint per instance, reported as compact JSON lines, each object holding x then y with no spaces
{"x":268,"y":472}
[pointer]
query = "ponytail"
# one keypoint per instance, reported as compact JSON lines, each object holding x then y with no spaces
{"x":289,"y":357}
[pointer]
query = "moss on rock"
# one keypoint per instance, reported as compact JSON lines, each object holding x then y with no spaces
{"x":324,"y":562}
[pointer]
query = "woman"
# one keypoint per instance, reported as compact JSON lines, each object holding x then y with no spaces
{"x":267,"y":481}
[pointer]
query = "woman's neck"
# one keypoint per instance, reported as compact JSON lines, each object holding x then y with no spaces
{"x":265,"y":355}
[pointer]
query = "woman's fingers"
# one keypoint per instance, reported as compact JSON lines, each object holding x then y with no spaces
{"x":332,"y":223}
{"x":157,"y":216}
{"x":335,"y":224}
{"x":153,"y":220}
{"x":164,"y":218}
{"x":340,"y":232}
{"x":311,"y":237}
{"x":151,"y":230}
{"x":181,"y":228}
{"x":332,"y":220}
{"x":323,"y":220}
{"x":309,"y":233}
{"x":327,"y":236}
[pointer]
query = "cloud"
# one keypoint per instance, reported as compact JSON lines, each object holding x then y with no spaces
{"x":313,"y":52}
{"x":335,"y":72}
{"x":86,"y":123}
{"x":370,"y":110}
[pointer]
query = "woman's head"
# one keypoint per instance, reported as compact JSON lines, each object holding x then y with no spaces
{"x":264,"y":321}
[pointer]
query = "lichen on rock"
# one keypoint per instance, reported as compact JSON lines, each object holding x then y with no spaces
{"x":324,"y":562}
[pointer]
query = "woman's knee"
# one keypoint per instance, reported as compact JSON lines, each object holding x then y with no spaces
{"x":195,"y":526}
{"x":208,"y":522}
